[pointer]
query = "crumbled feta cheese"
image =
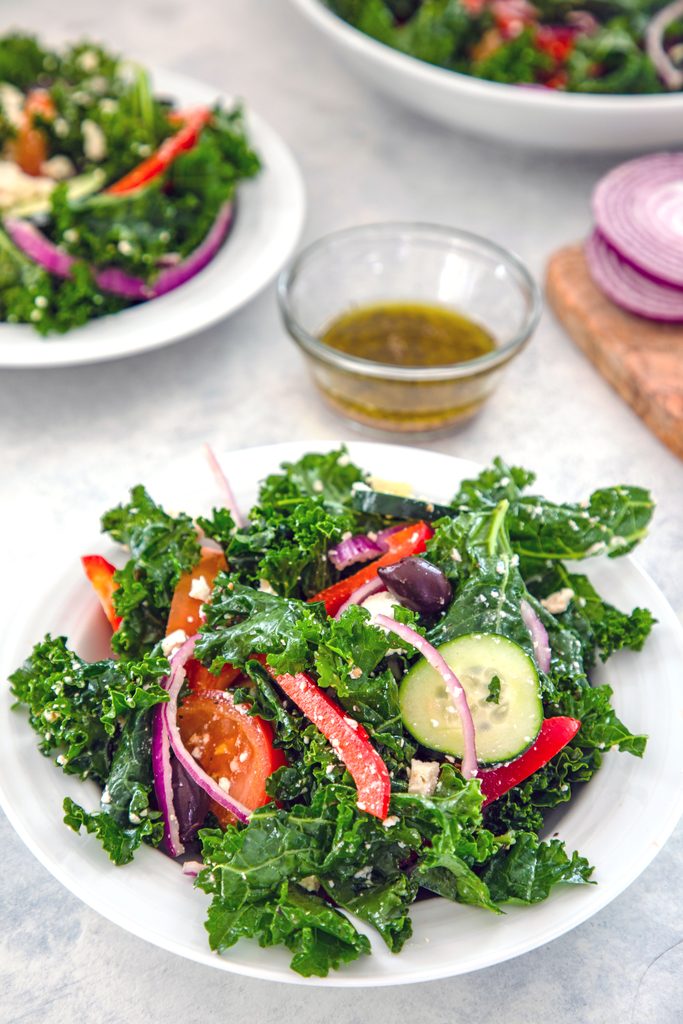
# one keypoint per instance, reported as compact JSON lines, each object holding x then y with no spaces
{"x":106,"y":796}
{"x":423,"y":777}
{"x":390,"y":821}
{"x":135,"y":818}
{"x":266,"y":587}
{"x":61,"y":127}
{"x":70,"y":235}
{"x":318,"y":486}
{"x":124,"y":247}
{"x":57,"y":167}
{"x":94,"y":142}
{"x":173,"y":641}
{"x":108,"y":105}
{"x":12,"y":103}
{"x":89,"y":60}
{"x":310,"y":883}
{"x":380,"y":604}
{"x":356,"y":672}
{"x":224,"y":784}
{"x":559,"y":601}
{"x":200,"y":589}
{"x":455,"y":555}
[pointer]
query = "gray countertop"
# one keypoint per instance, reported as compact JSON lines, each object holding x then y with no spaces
{"x":73,"y":438}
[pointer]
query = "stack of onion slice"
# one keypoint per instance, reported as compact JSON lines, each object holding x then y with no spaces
{"x":635,"y":254}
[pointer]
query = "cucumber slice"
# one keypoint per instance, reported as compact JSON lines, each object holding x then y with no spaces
{"x":504,"y":727}
{"x":76,"y":188}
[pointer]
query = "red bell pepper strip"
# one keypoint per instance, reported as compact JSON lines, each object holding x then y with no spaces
{"x":185,"y":138}
{"x":100,"y":572}
{"x":554,"y":735}
{"x":410,"y":541}
{"x":349,"y":741}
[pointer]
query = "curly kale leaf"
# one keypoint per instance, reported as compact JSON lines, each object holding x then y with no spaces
{"x":320,"y":938}
{"x":612,"y":521}
{"x":125,"y":817}
{"x":526,"y":870}
{"x":241,"y":622}
{"x":97,"y":715}
{"x":28,"y":294}
{"x":162,"y":548}
{"x":329,"y":477}
{"x":77,"y":707}
{"x":600,"y":626}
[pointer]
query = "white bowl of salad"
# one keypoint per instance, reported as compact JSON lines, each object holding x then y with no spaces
{"x":382,"y":699}
{"x":131,"y":212}
{"x":568,"y":76}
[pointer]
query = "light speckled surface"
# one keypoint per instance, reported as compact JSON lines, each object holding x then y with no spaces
{"x":73,"y":440}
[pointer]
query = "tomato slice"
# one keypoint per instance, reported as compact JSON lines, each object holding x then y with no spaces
{"x":229,"y":744}
{"x":29,"y":148}
{"x":184,"y":614}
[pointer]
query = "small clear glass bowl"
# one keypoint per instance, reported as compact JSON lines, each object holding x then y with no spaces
{"x":407,"y":263}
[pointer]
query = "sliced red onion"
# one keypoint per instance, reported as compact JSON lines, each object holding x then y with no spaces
{"x":170,"y":717}
{"x":224,"y":485}
{"x":163,"y":784}
{"x":192,"y":868}
{"x":539,"y":635}
{"x":654,"y":45}
{"x":34,"y":244}
{"x":628,"y":288}
{"x":359,"y":548}
{"x":198,"y":259}
{"x":362,"y":547}
{"x":358,"y":596}
{"x":638,"y":209}
{"x":453,"y":685}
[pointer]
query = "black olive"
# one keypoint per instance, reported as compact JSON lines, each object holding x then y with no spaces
{"x":417,"y":584}
{"x":190,"y":801}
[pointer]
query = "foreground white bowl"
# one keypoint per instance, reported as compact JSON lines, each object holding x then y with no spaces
{"x":530,"y":117}
{"x":619,"y":821}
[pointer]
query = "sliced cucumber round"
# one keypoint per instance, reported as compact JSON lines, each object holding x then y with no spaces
{"x":502,"y":689}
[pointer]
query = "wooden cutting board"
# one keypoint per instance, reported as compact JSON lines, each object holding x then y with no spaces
{"x":643,"y":360}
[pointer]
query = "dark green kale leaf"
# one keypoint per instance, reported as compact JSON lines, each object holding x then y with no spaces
{"x":162,"y":548}
{"x":386,"y":907}
{"x":489,"y":600}
{"x":320,"y":938}
{"x":285,"y":544}
{"x":125,"y":817}
{"x":98,"y":716}
{"x":612,"y":521}
{"x":515,"y":61}
{"x":450,"y":823}
{"x":77,"y":707}
{"x":601,"y":627}
{"x":526,"y":870}
{"x":28,"y":294}
{"x":23,"y":61}
{"x":329,"y":476}
{"x":241,"y":622}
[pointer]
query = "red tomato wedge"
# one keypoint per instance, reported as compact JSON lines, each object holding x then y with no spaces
{"x":409,"y":541}
{"x":230,"y":745}
{"x":184,"y":614}
{"x":348,"y":739}
{"x":29,"y":148}
{"x":554,"y":735}
{"x":100,"y":572}
{"x":187,"y":136}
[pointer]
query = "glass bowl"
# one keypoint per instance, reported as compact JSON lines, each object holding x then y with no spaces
{"x":407,"y":263}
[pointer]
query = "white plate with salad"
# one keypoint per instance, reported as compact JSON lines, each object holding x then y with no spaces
{"x":137,"y":208}
{"x":498,"y":793}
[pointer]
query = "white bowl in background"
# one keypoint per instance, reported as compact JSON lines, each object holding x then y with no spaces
{"x":531,"y":117}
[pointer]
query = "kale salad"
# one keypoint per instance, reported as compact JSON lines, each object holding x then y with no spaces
{"x":109,"y":194}
{"x":600,"y":46}
{"x":346,"y":700}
